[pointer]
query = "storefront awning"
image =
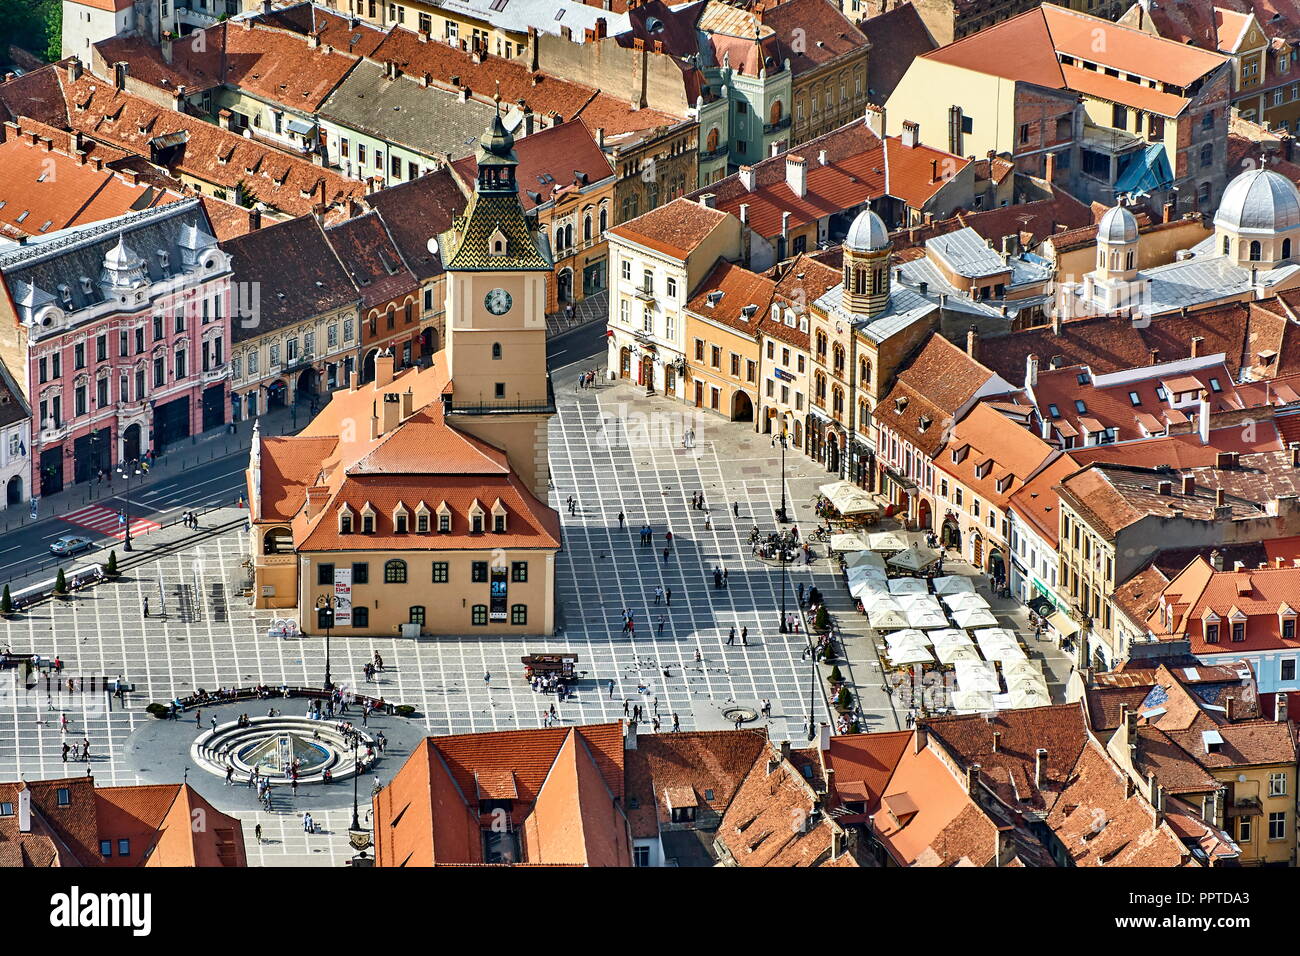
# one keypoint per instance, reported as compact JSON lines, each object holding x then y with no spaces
{"x":1065,"y":626}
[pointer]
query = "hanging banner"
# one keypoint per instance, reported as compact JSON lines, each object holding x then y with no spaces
{"x":342,"y":597}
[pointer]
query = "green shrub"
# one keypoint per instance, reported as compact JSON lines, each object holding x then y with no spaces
{"x":845,"y":699}
{"x":823,"y":619}
{"x":158,"y":710}
{"x":6,"y":602}
{"x":836,"y":676}
{"x":111,"y":569}
{"x":60,"y":583}
{"x":404,"y":710}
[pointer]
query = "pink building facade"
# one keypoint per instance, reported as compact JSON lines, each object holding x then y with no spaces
{"x":121,"y":334}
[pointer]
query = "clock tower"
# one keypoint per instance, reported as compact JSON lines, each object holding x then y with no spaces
{"x":496,"y":262}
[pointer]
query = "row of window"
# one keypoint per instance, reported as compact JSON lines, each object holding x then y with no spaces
{"x":402,"y":523}
{"x":396,"y":572}
{"x":1277,"y":829}
{"x":416,"y":615}
{"x":291,"y":350}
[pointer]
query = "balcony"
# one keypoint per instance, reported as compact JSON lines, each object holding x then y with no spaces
{"x":782,"y":123}
{"x":504,"y":406}
{"x":220,"y":373}
{"x":645,"y":293}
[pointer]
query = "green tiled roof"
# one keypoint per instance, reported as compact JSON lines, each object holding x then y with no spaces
{"x":464,"y":247}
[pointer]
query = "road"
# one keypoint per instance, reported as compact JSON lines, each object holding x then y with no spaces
{"x":24,"y":552}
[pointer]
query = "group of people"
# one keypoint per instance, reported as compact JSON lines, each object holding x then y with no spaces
{"x":191,"y":520}
{"x":551,"y":684}
{"x":70,"y":751}
{"x":587,"y":379}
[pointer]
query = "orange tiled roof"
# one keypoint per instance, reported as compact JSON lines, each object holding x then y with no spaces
{"x":676,"y":229}
{"x":1014,"y":450}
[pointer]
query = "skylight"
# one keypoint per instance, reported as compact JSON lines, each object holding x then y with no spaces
{"x":1079,"y":406}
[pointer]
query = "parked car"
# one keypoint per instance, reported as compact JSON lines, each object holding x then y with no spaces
{"x":71,"y":544}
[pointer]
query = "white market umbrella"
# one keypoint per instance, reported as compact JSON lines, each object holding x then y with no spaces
{"x":1025,"y":668}
{"x":915,"y":558}
{"x":952,"y":653}
{"x":868,"y":590}
{"x":977,"y":675}
{"x":1033,"y":697}
{"x":909,"y":654}
{"x":867,"y":559}
{"x":907,"y":586}
{"x":886,"y":619}
{"x":977,"y":617}
{"x":1004,"y":653}
{"x":886,"y":541}
{"x":862,"y":572}
{"x":848,"y":499}
{"x":847,"y":542}
{"x":951,"y":636}
{"x":963,"y":600}
{"x":953,"y":584}
{"x":972,"y":701}
{"x":905,"y":635}
{"x":926,"y":619}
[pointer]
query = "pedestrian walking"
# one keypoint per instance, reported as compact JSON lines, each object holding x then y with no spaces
{"x":668,"y":596}
{"x":214,"y":723}
{"x":662,"y":620}
{"x":230,"y":775}
{"x":66,"y":748}
{"x":677,"y":722}
{"x":666,"y":550}
{"x":744,"y":635}
{"x":801,"y":594}
{"x":146,"y":607}
{"x":724,"y":577}
{"x":627,"y":707}
{"x":620,"y":519}
{"x":611,"y":690}
{"x":735,"y":509}
{"x":63,"y":722}
{"x":708,"y":523}
{"x":257,"y":832}
{"x":198,"y":718}
{"x":659,"y":594}
{"x":731,"y":637}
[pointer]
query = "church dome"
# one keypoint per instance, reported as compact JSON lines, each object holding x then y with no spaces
{"x":1117,"y":226}
{"x":1260,"y":201}
{"x":496,"y":141}
{"x":867,"y":234}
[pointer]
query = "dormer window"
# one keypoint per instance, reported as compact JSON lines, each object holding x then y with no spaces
{"x":497,"y":245}
{"x":401,"y":519}
{"x":65,"y":295}
{"x":1004,"y":483}
{"x":498,"y":517}
{"x":163,"y":259}
{"x":444,"y":518}
{"x":422,"y":518}
{"x":367,"y":519}
{"x":345,"y":520}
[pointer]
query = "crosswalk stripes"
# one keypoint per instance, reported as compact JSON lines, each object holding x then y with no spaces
{"x":105,"y":521}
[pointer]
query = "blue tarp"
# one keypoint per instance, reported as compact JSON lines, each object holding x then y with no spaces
{"x":1145,"y":171}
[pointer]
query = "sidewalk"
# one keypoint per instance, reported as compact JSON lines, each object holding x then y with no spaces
{"x":594,"y":308}
{"x":179,"y":457}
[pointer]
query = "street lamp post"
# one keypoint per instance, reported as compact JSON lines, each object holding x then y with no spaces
{"x":812,"y":687}
{"x":326,"y":604}
{"x":356,"y":774}
{"x":126,"y":469}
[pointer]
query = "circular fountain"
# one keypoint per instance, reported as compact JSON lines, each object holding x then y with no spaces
{"x":273,"y":746}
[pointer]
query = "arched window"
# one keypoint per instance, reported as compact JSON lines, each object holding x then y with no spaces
{"x":496,"y":350}
{"x":1128,"y":259}
{"x":391,"y":316}
{"x":604,"y":219}
{"x":1227,"y":245}
{"x":1255,"y":250}
{"x":711,"y":144}
{"x":862,"y":415}
{"x":395,"y":572}
{"x":821,"y":388}
{"x":1101,"y":258}
{"x":821,"y":344}
{"x":839,"y":360}
{"x":864,"y":370}
{"x":778,"y":111}
{"x":837,"y":401}
{"x":568,"y":235}
{"x":559,"y":238}
{"x":278,"y":541}
{"x":586,"y":227}
{"x":1286,"y":248}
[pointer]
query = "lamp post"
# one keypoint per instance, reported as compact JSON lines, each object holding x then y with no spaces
{"x":781,"y":514}
{"x":326,"y":604}
{"x":126,"y":469}
{"x":357,"y":836}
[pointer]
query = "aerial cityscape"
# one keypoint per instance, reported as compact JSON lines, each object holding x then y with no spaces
{"x":733,"y":433}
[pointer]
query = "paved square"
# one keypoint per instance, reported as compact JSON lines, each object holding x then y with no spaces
{"x":613,"y":450}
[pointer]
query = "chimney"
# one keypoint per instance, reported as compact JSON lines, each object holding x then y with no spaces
{"x":1056,"y":321}
{"x":254,"y":219}
{"x":837,"y":843}
{"x":1165,"y":488}
{"x":1189,"y":485}
{"x":934,"y":170}
{"x":1197,"y":342}
{"x":823,"y":736}
{"x":921,"y":737}
{"x":120,"y":71}
{"x":374,"y":428}
{"x":785,"y":224}
{"x":997,"y":741}
{"x":1280,"y":704}
{"x":1040,"y":768}
{"x":785,"y":750}
{"x":1203,"y":417}
{"x":165,"y":44}
{"x":972,"y":778}
{"x":74,"y":69}
{"x":1295,"y":453}
{"x":821,"y":157}
{"x":383,"y":368}
{"x":875,"y":119}
{"x":746,"y":174}
{"x":600,"y":136}
{"x":1153,"y":790}
{"x":317,"y":495}
{"x":602,"y":27}
{"x":973,"y":343}
{"x":1220,"y":498}
{"x":629,"y":738}
{"x":744,"y":213}
{"x":1229,"y":708}
{"x":392,"y":411}
{"x":796,"y":175}
{"x":708,"y":200}
{"x":1223,"y":460}
{"x":1167,"y":212}
{"x":24,"y":810}
{"x":1049,"y":168}
{"x":911,"y":136}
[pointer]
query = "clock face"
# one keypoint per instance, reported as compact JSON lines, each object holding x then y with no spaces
{"x":498,"y":301}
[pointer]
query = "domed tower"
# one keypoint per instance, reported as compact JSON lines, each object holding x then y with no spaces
{"x":1117,"y":245}
{"x":1258,"y":222}
{"x":866,"y":265}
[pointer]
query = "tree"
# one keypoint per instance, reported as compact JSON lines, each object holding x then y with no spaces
{"x":6,"y":602}
{"x":845,"y":699}
{"x":53,"y":23}
{"x":34,"y":25}
{"x":836,"y":676}
{"x":822,"y":619}
{"x":111,"y":570}
{"x":60,"y":583}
